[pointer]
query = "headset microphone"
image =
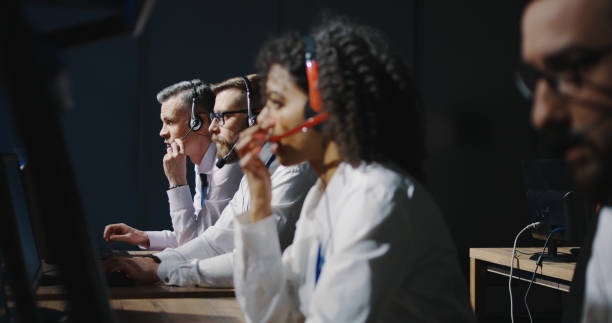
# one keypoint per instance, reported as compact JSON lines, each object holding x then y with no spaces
{"x":311,"y":122}
{"x":313,"y":112}
{"x":223,"y":160}
{"x":186,"y":133}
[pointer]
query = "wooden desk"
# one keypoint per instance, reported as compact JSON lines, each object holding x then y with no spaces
{"x":142,"y":292}
{"x":497,"y":261}
{"x":159,"y":290}
{"x":158,"y":302}
{"x":222,"y":310}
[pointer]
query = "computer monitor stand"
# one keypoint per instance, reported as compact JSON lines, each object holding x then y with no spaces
{"x":553,"y":256}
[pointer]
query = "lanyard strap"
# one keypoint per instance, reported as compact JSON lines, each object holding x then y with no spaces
{"x":270,"y":161}
{"x":320,"y":262}
{"x":204,"y":186}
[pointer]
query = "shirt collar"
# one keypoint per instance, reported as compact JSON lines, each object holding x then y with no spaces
{"x":208,"y":161}
{"x":265,"y":154}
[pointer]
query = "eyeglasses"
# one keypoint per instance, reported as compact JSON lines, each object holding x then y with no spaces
{"x":572,"y":66}
{"x":527,"y":78}
{"x":219,"y":117}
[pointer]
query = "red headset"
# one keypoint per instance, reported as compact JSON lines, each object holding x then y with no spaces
{"x":313,"y":112}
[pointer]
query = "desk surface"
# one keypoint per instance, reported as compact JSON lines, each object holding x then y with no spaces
{"x":158,"y":290}
{"x":225,"y":310}
{"x":497,"y":261}
{"x":142,"y":292}
{"x":501,"y":256}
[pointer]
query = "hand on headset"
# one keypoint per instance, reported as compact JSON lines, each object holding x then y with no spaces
{"x":260,"y":187}
{"x":175,"y":164}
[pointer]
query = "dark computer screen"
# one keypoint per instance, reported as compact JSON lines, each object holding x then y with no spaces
{"x":553,"y":201}
{"x":24,"y":227}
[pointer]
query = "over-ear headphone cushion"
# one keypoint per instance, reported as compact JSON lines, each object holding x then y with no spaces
{"x":196,"y":123}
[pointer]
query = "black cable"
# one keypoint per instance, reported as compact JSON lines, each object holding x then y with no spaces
{"x":538,"y":264}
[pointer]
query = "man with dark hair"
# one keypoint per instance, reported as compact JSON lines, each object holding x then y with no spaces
{"x":208,"y":259}
{"x":186,"y":136}
{"x":567,"y":48}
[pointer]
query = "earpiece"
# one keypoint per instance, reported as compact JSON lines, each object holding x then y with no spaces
{"x":315,"y":103}
{"x":195,"y":122}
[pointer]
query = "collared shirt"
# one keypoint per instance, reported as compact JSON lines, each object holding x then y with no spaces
{"x":191,"y":217}
{"x":597,"y":306}
{"x":387,"y":256}
{"x":208,"y":259}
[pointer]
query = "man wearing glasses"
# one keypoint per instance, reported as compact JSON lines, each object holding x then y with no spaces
{"x":567,"y":50}
{"x":183,"y":138}
{"x":208,"y":259}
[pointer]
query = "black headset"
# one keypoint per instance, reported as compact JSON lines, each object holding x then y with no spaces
{"x":195,"y":122}
{"x":252,"y":117}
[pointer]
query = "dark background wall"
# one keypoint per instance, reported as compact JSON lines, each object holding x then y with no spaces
{"x":463,"y":54}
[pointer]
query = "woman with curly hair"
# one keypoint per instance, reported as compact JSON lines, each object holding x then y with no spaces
{"x":370,"y":244}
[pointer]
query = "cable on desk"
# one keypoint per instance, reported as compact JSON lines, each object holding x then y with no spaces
{"x":538,"y":264}
{"x":530,"y":226}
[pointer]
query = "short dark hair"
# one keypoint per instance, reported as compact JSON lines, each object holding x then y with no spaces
{"x":375,"y":113}
{"x":204,"y":98}
{"x":238,"y":83}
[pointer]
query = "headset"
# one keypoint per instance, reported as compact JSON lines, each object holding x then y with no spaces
{"x":195,"y":122}
{"x":313,"y":113}
{"x":252,"y":119}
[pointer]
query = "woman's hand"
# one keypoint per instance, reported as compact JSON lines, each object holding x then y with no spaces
{"x":248,"y":148}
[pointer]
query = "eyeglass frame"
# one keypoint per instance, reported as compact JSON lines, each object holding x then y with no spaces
{"x":555,"y":81}
{"x":220,"y":116}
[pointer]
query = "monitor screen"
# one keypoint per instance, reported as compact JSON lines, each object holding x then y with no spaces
{"x":24,"y":227}
{"x":552,"y":200}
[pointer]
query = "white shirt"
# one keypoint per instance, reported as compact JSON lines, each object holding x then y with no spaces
{"x":208,"y":259}
{"x":597,"y":306}
{"x":386,"y":256}
{"x":189,"y":218}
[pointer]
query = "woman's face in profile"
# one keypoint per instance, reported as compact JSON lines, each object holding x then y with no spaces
{"x":285,"y":103}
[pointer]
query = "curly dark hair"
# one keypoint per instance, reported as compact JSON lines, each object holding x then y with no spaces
{"x":375,"y":113}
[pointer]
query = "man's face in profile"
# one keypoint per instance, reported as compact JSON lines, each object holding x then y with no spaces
{"x":570,"y":41}
{"x":226,"y":134}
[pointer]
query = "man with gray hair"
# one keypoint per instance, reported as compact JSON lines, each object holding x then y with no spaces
{"x":185,"y":110}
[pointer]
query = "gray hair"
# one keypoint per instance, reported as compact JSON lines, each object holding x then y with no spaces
{"x":204,"y":97}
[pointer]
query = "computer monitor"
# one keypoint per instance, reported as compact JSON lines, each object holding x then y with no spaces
{"x":24,"y":224}
{"x":553,"y":201}
{"x":20,"y":255}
